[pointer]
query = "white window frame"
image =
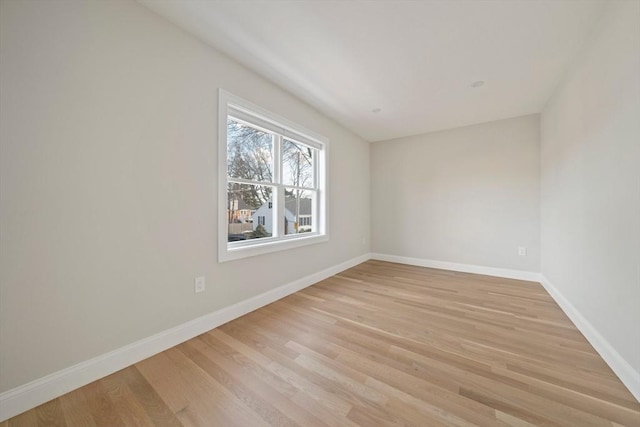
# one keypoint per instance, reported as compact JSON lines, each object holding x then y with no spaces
{"x":232,"y":105}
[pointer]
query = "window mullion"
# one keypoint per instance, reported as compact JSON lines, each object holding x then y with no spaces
{"x":278,"y":198}
{"x":247,"y":181}
{"x":293,"y":187}
{"x":314,"y":160}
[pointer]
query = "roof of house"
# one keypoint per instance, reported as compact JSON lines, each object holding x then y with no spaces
{"x":305,"y":205}
{"x":290,"y":205}
{"x":242,"y":205}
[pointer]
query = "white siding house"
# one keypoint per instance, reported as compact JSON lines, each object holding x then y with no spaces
{"x":264,"y":216}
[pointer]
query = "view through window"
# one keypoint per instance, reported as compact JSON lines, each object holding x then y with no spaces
{"x":274,"y":185}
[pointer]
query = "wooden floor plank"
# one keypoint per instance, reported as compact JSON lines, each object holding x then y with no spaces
{"x":50,"y":414}
{"x":157,"y":411}
{"x":380,"y":344}
{"x":26,"y":419}
{"x":102,"y":409}
{"x":76,"y":409}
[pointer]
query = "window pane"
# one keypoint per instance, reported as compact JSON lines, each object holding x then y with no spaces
{"x":299,"y":208}
{"x":248,"y":213}
{"x":249,"y":152}
{"x":297,"y":164}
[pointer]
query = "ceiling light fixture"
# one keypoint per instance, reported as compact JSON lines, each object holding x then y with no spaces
{"x":478,"y":83}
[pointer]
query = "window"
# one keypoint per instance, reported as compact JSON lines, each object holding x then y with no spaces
{"x":305,"y":220}
{"x":273,"y":169}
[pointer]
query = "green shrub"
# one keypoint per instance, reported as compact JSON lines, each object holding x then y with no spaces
{"x":260,"y":231}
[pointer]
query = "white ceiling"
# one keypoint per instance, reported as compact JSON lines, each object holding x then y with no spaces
{"x":416,"y":60}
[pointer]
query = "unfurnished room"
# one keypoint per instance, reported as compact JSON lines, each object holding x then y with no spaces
{"x":320,"y":213}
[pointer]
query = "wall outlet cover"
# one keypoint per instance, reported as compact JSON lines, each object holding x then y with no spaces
{"x":200,"y":284}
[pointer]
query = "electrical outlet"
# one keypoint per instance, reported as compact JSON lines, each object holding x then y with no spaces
{"x":522,"y":251}
{"x":199,"y":284}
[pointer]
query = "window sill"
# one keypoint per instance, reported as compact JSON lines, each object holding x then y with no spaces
{"x":226,"y":253}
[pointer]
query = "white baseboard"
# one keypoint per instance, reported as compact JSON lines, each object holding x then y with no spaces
{"x":30,"y":395}
{"x":465,"y":268}
{"x":627,"y":374}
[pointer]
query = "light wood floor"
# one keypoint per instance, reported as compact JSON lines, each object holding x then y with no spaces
{"x":379,"y":344}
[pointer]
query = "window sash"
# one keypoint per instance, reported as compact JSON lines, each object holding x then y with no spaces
{"x":278,"y":197}
{"x":278,"y":141}
{"x":260,"y":122}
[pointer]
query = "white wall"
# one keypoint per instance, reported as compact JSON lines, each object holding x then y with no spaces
{"x":108,"y":210}
{"x":590,"y":133}
{"x":467,"y":195}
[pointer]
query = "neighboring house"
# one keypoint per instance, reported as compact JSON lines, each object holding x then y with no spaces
{"x":239,"y":211}
{"x":304,"y":211}
{"x":263,"y":216}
